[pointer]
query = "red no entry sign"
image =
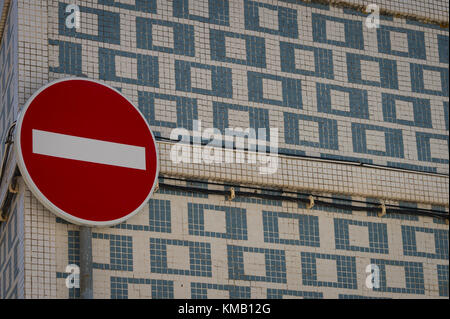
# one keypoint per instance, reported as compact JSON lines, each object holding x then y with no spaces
{"x":86,"y":152}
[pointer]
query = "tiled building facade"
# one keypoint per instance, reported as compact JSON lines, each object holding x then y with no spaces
{"x":362,"y":117}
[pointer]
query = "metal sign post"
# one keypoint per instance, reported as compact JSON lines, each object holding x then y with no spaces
{"x":86,"y":280}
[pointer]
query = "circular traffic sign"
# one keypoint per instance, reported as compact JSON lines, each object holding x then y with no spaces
{"x":86,"y":152}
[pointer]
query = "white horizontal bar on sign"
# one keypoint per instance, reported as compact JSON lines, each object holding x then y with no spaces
{"x":88,"y":150}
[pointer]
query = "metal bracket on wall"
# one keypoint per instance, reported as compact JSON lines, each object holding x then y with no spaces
{"x":13,"y":189}
{"x":3,"y":218}
{"x":383,"y":210}
{"x":13,"y":186}
{"x":311,"y":202}
{"x":232,"y":194}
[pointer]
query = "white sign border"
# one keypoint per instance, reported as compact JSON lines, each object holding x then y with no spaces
{"x":35,"y":190}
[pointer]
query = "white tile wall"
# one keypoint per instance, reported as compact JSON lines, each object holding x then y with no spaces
{"x":215,"y":221}
{"x":235,"y":48}
{"x":201,"y":78}
{"x":126,"y":67}
{"x":335,"y":31}
{"x":162,"y":36}
{"x":268,"y":18}
{"x":272,"y":89}
{"x":359,"y":236}
{"x":395,"y":276}
{"x":340,"y":101}
{"x":198,"y":8}
{"x":254,"y":264}
{"x":399,"y":41}
{"x":375,"y":140}
{"x":304,"y":60}
{"x":432,"y":80}
{"x":45,"y":241}
{"x":404,"y":110}
{"x":370,"y":71}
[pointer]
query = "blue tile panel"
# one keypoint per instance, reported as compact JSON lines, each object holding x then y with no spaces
{"x":291,"y":90}
{"x":418,"y":81}
{"x":323,"y":60}
{"x":258,"y":117}
{"x":410,"y":244}
{"x":279,"y":293}
{"x":353,"y":31}
{"x":69,"y":58}
{"x":147,"y":67}
{"x":328,"y":131}
{"x":377,"y":235}
{"x":275,"y":264}
{"x":358,"y":104}
{"x":200,"y":290}
{"x":199,"y":263}
{"x":287,"y":19}
{"x":235,"y":220}
{"x":416,"y":42}
{"x":345,"y":269}
{"x":159,"y":216}
{"x":186,"y":109}
{"x":387,"y":69}
{"x":442,"y":272}
{"x":73,"y":247}
{"x":443,"y":48}
{"x":218,"y":12}
{"x":420,"y":107}
{"x":160,"y":289}
{"x":221,"y":82}
{"x":424,"y":147}
{"x":120,"y":252}
{"x":308,"y":229}
{"x":393,"y":140}
{"x":183,"y":36}
{"x":73,"y":251}
{"x":255,"y":49}
{"x":414,"y":276}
